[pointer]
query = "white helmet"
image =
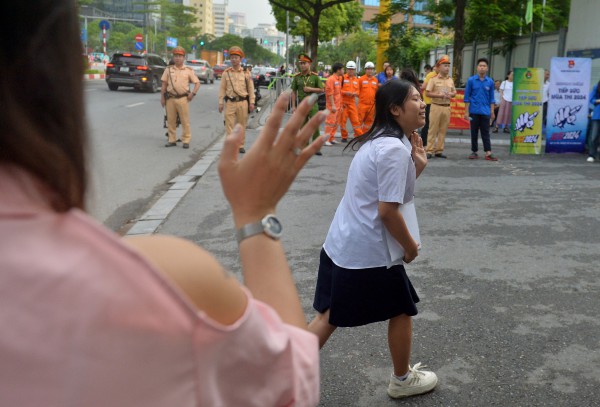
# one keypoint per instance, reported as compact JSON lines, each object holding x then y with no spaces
{"x":351,"y":65}
{"x":369,"y":65}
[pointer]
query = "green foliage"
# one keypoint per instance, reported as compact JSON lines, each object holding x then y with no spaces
{"x":320,"y":20}
{"x":359,"y":44}
{"x":408,"y":45}
{"x":501,"y":20}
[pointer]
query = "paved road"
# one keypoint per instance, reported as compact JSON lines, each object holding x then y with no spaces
{"x":509,"y":277}
{"x":129,"y":163}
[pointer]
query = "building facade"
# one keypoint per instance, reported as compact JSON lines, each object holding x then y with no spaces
{"x":371,"y":8}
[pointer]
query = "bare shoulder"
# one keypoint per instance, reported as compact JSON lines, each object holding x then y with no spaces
{"x":196,"y":272}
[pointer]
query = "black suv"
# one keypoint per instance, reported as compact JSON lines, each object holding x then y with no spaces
{"x":137,"y":71}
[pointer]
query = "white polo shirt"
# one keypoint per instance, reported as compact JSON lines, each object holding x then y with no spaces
{"x":382,"y":171}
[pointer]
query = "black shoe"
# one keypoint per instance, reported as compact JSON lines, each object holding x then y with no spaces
{"x":186,"y":145}
{"x":319,"y":153}
{"x":473,"y":156}
{"x":344,"y":140}
{"x":440,"y":155}
{"x":429,"y":156}
{"x":170,"y":144}
{"x":242,"y":150}
{"x":506,"y":130}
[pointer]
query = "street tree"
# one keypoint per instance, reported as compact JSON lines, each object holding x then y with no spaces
{"x":314,"y":23}
{"x":499,"y":20}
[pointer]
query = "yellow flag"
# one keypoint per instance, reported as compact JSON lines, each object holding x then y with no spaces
{"x":529,"y":12}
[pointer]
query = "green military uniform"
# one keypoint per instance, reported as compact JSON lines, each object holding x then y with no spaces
{"x":311,"y":80}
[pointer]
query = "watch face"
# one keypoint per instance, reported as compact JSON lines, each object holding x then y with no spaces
{"x":273,"y":226}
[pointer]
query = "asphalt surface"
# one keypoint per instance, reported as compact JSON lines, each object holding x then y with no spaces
{"x":508,"y":276}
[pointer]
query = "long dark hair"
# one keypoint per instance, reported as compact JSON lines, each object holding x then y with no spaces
{"x":391,"y":93}
{"x":410,"y":75}
{"x":42,"y":112}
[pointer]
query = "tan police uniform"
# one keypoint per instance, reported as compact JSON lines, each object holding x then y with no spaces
{"x":178,"y":88}
{"x":439,"y":115}
{"x":236,"y":92}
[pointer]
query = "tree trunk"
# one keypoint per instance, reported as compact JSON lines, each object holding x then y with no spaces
{"x":459,"y":41}
{"x":313,"y":42}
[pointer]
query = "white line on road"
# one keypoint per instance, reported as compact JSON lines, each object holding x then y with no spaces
{"x":135,"y":104}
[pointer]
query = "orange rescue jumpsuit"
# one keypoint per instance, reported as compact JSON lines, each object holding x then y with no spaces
{"x":333,"y":86}
{"x":349,"y":111}
{"x":367,"y":86}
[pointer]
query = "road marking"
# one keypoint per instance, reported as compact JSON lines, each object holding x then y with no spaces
{"x":135,"y":104}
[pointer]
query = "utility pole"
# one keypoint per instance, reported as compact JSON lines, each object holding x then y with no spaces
{"x":383,"y":35}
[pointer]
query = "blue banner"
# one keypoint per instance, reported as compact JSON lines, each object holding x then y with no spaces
{"x":568,"y":105}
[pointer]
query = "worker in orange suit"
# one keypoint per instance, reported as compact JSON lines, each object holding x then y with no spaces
{"x":367,"y":87}
{"x":349,"y":94}
{"x":333,"y":98}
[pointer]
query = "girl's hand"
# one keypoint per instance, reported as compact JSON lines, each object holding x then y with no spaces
{"x":418,"y":152}
{"x":254,"y":184}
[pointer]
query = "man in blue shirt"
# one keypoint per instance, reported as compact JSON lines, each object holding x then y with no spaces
{"x":479,"y":109}
{"x":381,"y":75}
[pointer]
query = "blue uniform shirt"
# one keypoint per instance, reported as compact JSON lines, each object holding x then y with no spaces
{"x":480,"y":95}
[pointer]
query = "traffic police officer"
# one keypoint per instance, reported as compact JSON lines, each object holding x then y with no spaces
{"x":304,"y":84}
{"x":236,"y":94}
{"x":175,"y":94}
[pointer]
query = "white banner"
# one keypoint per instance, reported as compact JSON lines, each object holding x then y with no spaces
{"x":567,"y":121}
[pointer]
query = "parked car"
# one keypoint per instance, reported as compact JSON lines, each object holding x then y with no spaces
{"x":142,"y":72}
{"x":202,"y":69}
{"x":263,"y":76}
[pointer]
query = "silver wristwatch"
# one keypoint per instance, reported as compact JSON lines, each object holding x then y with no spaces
{"x":269,"y":225}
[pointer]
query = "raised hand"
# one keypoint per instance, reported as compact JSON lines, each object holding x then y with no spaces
{"x":566,"y":115}
{"x":525,"y":121}
{"x":418,"y":152}
{"x":254,"y":184}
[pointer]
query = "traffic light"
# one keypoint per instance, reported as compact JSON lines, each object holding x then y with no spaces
{"x":266,"y":42}
{"x":201,"y":43}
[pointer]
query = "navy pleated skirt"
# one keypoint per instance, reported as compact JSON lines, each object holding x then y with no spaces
{"x":361,"y":296}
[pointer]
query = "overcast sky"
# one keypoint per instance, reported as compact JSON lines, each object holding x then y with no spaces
{"x":257,"y":11}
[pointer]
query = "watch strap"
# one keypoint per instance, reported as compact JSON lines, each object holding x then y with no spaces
{"x":250,"y":229}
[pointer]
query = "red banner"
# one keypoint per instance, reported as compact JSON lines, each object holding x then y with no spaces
{"x":457,"y":115}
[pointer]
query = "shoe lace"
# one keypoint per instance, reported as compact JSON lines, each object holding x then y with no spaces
{"x":416,"y":374}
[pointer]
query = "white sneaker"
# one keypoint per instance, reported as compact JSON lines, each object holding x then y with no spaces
{"x":334,"y":142}
{"x":590,"y":159}
{"x":328,"y":143}
{"x":417,"y":382}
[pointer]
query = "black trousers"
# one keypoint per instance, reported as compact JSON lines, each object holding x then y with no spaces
{"x":425,"y":128}
{"x":480,"y":123}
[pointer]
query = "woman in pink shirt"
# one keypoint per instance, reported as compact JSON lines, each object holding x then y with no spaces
{"x":91,"y":320}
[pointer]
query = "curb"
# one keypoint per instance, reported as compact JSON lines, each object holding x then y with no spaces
{"x":93,"y":76}
{"x":151,"y":220}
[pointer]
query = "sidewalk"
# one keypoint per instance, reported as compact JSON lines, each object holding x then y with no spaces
{"x":507,"y":275}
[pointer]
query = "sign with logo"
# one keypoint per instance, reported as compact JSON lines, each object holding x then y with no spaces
{"x":171,"y":42}
{"x":566,"y":124}
{"x":526,"y":113}
{"x":225,"y":53}
{"x":139,"y":46}
{"x":104,"y":25}
{"x":139,"y":38}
